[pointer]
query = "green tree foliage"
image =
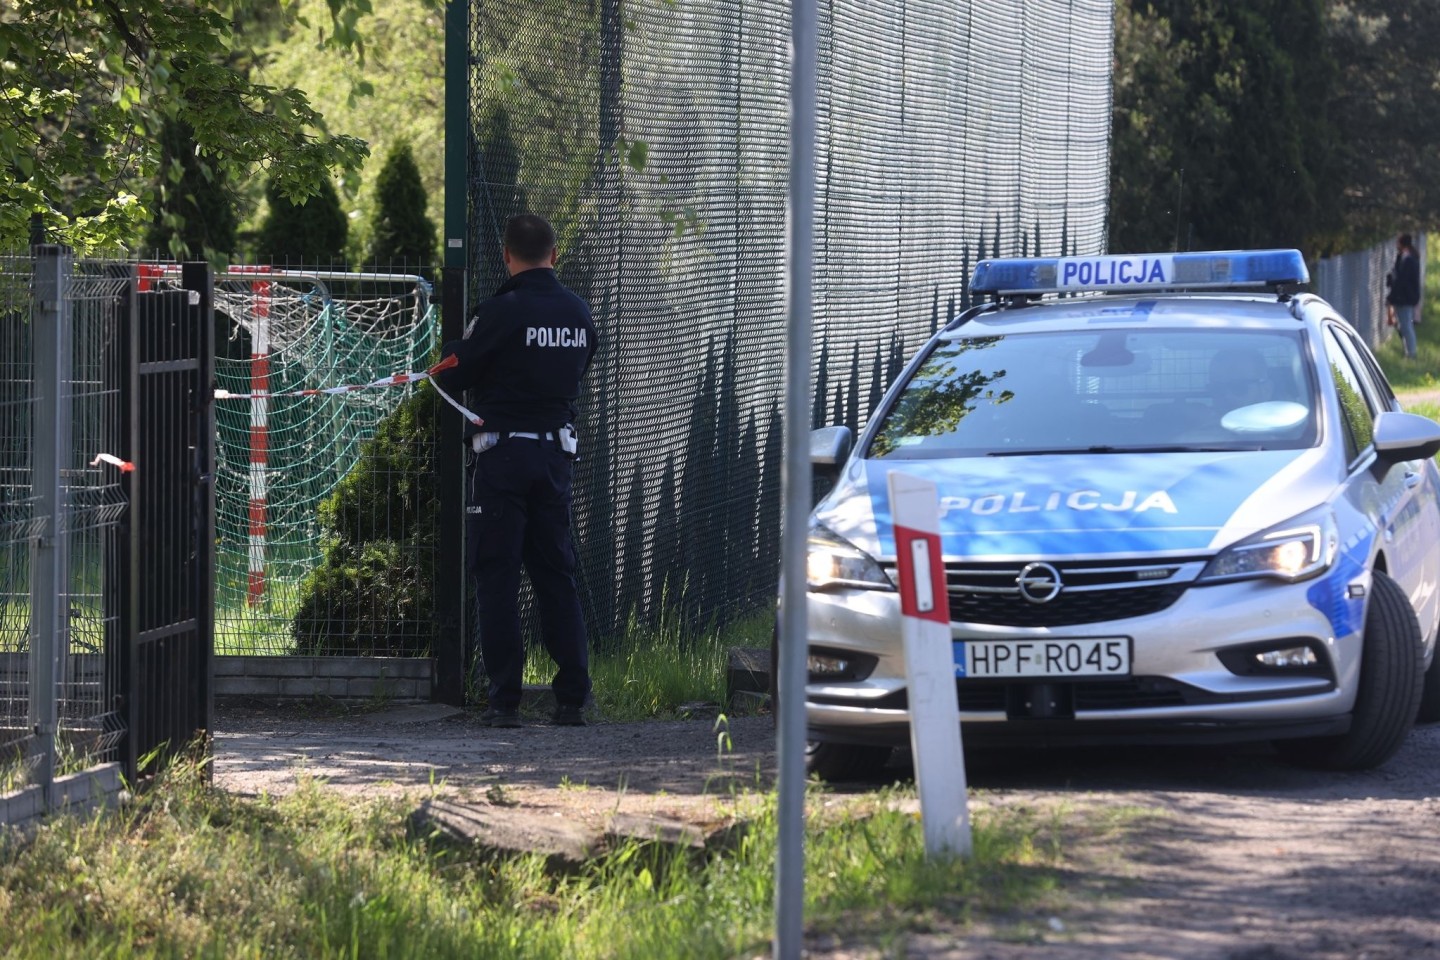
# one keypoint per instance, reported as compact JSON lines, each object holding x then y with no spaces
{"x":195,"y":208}
{"x":1222,"y":131}
{"x":310,"y":233}
{"x":1387,"y":107}
{"x":372,"y":595}
{"x":402,"y":235}
{"x":88,"y":87}
{"x":395,"y":94}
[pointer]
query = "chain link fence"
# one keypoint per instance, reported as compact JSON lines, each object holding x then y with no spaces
{"x":655,"y":136}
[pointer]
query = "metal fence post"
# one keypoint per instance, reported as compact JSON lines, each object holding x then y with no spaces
{"x":198,"y":278}
{"x":452,"y":649}
{"x":452,"y":658}
{"x":48,"y":567}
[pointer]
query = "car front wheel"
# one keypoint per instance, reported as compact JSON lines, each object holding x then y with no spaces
{"x":1389,"y":694}
{"x":839,"y":762}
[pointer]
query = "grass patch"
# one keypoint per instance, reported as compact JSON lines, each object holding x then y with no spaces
{"x":658,"y":668}
{"x":187,"y":871}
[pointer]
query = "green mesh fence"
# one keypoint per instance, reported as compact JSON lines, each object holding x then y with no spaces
{"x":325,"y":533}
{"x":654,"y":134}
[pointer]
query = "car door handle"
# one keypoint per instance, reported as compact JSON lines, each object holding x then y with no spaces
{"x":1412,"y":478}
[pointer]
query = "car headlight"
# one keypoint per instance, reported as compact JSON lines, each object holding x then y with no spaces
{"x":1294,"y":550}
{"x":832,"y":561}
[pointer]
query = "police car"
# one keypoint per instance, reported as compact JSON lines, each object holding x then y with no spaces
{"x":1190,"y":509}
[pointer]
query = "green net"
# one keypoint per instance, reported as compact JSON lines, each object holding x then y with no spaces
{"x":280,"y":459}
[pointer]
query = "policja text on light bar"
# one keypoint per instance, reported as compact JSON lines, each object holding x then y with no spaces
{"x":1140,"y":272}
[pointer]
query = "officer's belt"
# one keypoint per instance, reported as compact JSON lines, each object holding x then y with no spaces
{"x":548,"y":435}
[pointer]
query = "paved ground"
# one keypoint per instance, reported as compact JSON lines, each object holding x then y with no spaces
{"x":1225,"y":855}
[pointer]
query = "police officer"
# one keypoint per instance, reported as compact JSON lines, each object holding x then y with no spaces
{"x":524,"y":354}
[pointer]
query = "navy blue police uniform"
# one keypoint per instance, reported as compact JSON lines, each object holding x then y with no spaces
{"x":525,"y":352}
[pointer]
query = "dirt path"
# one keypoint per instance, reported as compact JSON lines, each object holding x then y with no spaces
{"x":1225,"y":855}
{"x":1409,"y":398}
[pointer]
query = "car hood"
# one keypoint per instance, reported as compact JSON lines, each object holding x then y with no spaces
{"x":1072,"y":505}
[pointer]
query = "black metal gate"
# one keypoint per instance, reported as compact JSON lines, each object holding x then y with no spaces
{"x":163,"y":584}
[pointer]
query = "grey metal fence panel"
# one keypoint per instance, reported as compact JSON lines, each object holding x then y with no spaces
{"x":20,"y":520}
{"x":59,"y":506}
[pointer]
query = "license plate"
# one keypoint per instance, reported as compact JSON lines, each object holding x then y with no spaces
{"x":1003,"y":659}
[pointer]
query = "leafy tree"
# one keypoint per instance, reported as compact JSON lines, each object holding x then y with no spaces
{"x":1222,"y":135}
{"x":1387,"y":103}
{"x":395,"y":94}
{"x":195,"y":208}
{"x":311,"y":232}
{"x":402,"y":233}
{"x":88,"y":87}
{"x":1148,"y":93}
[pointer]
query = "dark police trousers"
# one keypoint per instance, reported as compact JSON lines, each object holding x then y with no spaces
{"x":518,"y":511}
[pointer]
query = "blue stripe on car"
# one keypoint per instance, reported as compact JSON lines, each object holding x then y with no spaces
{"x":1046,"y":505}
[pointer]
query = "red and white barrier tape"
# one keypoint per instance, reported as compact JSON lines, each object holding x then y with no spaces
{"x":125,"y":465}
{"x":394,"y":380}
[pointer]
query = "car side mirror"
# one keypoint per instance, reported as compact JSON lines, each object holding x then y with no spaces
{"x":829,"y":447}
{"x":1405,"y":436}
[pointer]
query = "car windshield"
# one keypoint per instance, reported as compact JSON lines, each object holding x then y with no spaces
{"x":1104,"y":391}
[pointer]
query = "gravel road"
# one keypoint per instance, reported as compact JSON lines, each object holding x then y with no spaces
{"x":1224,"y":854}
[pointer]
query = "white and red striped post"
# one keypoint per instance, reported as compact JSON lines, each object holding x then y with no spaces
{"x":259,"y":429}
{"x":930,"y":667}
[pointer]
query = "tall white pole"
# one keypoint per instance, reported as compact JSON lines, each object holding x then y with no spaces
{"x":930,"y":667}
{"x":796,"y":490}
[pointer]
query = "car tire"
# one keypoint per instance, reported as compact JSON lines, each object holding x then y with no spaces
{"x":1388,"y":696}
{"x":1430,"y":694}
{"x":841,"y":762}
{"x":831,"y":762}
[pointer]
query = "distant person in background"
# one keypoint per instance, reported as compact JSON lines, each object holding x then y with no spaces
{"x":1404,"y":295}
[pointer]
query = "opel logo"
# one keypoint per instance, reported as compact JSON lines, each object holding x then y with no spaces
{"x":1038,"y":582}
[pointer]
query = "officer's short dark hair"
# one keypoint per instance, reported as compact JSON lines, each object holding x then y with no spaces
{"x":1406,"y":240}
{"x":529,"y":238}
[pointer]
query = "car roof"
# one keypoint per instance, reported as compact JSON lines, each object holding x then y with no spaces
{"x":1229,"y":311}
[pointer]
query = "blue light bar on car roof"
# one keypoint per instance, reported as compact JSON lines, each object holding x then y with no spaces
{"x":1140,"y":271}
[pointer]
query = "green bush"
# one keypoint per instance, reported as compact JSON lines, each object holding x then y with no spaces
{"x":312,"y":233}
{"x":371,"y":595}
{"x":402,"y":235}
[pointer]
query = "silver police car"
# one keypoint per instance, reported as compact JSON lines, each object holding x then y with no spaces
{"x":1196,"y":515}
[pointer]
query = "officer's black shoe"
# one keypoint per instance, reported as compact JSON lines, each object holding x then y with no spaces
{"x":500,"y":717}
{"x":568,"y":716}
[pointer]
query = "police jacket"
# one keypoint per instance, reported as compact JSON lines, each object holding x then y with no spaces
{"x":525,"y":352}
{"x":1405,"y":281}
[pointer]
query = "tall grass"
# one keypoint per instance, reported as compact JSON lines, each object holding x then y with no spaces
{"x":266,"y":629}
{"x":654,"y":669}
{"x":191,"y":872}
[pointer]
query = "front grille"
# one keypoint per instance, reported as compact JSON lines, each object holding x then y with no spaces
{"x":1067,"y":609}
{"x":1090,"y":592}
{"x":1133,"y":693}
